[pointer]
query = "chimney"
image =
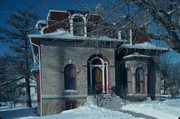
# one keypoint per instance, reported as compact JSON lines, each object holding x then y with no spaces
{"x":99,"y":9}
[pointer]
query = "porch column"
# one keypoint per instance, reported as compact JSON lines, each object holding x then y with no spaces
{"x":133,"y":84}
{"x":145,"y":83}
{"x":103,"y":81}
{"x":107,"y":80}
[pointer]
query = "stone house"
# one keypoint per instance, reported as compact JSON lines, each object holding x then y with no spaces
{"x":74,"y":62}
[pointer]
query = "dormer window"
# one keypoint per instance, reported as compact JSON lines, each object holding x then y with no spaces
{"x":78,"y":25}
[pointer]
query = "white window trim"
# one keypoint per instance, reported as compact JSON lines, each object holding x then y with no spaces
{"x":71,"y":23}
{"x":130,"y":37}
{"x":102,"y":66}
{"x":119,"y":35}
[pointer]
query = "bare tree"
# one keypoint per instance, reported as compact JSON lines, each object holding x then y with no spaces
{"x":170,"y":74}
{"x":160,"y":18}
{"x":21,"y":23}
{"x":157,"y":19}
{"x":10,"y":89}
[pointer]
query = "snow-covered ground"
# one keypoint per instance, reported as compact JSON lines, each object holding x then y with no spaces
{"x":169,"y":109}
{"x":14,"y":113}
{"x":88,"y":111}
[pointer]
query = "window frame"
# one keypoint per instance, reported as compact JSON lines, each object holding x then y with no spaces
{"x":70,"y":102}
{"x":73,"y":81}
{"x":84,"y":24}
{"x":139,"y":81}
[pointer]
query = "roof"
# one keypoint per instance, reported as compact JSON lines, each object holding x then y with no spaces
{"x":135,"y":56}
{"x":145,"y":45}
{"x":62,"y":34}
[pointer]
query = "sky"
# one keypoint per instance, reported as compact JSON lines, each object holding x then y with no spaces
{"x":41,"y":6}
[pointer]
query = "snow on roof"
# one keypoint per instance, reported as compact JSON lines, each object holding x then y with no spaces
{"x":53,"y":10}
{"x":145,"y":45}
{"x":63,"y":34}
{"x":136,"y":55}
{"x":41,"y":22}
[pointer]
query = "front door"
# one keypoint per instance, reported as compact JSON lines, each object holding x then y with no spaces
{"x":97,"y":79}
{"x":98,"y":75}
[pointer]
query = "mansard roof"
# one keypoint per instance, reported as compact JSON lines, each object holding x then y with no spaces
{"x":65,"y":35}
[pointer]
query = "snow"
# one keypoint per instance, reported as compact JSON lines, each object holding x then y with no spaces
{"x":145,"y":45}
{"x":70,"y":91}
{"x":63,"y":34}
{"x":41,"y":22}
{"x":135,"y":55}
{"x":14,"y":113}
{"x":89,"y":111}
{"x":169,"y":109}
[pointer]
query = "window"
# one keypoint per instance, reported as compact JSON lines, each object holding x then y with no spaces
{"x":70,"y":105}
{"x":129,"y":81}
{"x":70,"y":76}
{"x":78,"y":26}
{"x":139,"y":80}
{"x":96,"y":62}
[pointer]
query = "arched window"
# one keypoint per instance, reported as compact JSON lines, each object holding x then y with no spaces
{"x":96,"y":62}
{"x":70,"y":76}
{"x":78,"y":26}
{"x":139,"y":80}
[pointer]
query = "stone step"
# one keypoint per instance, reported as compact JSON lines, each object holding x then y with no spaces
{"x":107,"y":101}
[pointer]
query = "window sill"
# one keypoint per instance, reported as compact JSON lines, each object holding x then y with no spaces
{"x":70,"y":91}
{"x":137,"y":95}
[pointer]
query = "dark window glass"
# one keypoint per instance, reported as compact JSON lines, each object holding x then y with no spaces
{"x":70,"y":76}
{"x":70,"y":105}
{"x":78,"y":26}
{"x":96,"y":62}
{"x":139,"y":80}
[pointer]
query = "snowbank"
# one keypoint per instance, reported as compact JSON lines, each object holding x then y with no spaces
{"x":89,"y":111}
{"x":14,"y":113}
{"x":169,"y":109}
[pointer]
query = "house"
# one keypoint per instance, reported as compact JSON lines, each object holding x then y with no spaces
{"x":78,"y":57}
{"x":22,"y":98}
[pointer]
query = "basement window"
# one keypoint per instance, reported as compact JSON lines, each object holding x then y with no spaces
{"x":70,"y":104}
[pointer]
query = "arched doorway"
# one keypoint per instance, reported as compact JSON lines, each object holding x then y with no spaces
{"x":98,"y":75}
{"x":97,"y":79}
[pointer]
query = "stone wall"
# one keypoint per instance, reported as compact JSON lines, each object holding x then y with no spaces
{"x":54,"y":57}
{"x":131,"y":66}
{"x":152,"y":80}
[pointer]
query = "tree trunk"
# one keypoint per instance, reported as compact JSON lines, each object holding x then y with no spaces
{"x":28,"y":92}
